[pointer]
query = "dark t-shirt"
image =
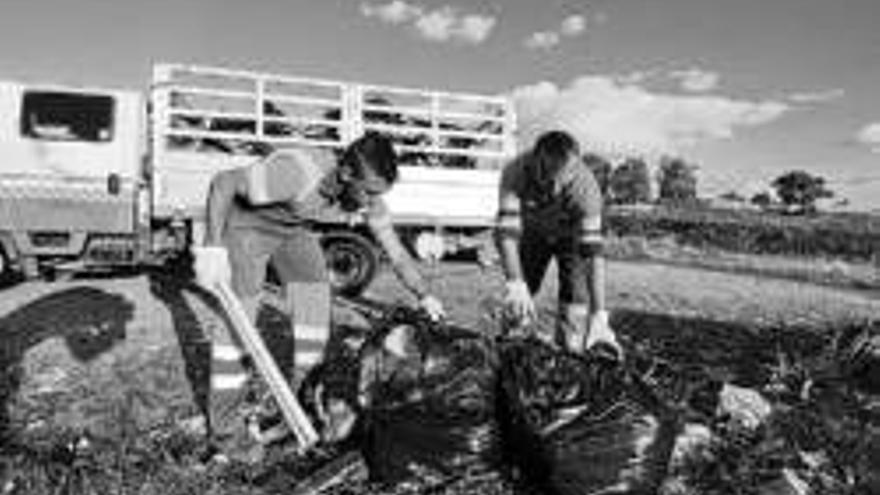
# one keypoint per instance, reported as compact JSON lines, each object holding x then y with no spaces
{"x":569,"y":207}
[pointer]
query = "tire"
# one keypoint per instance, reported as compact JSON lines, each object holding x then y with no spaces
{"x":7,"y":274}
{"x":352,"y":261}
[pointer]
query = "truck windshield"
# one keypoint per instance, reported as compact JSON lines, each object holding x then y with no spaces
{"x":62,"y":116}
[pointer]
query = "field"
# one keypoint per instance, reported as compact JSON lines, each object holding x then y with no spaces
{"x":846,"y":236}
{"x":819,"y":270}
{"x":95,"y":381}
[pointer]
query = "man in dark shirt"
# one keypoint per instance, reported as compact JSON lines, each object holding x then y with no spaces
{"x":550,"y":206}
{"x":261,"y":214}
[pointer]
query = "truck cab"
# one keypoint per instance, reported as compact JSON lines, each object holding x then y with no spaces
{"x":70,"y":176}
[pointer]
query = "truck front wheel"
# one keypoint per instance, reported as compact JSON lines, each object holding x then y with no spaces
{"x":352,"y":261}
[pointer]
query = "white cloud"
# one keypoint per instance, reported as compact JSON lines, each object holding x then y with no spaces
{"x":443,"y":24}
{"x":635,"y":77}
{"x":476,"y":28}
{"x":542,"y":40}
{"x":870,"y":136}
{"x":437,"y":25}
{"x":394,"y":12}
{"x":570,"y":27}
{"x":616,"y":118}
{"x":573,"y":25}
{"x":696,"y":80}
{"x":817,"y":96}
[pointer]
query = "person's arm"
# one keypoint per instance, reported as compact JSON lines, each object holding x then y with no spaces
{"x":586,"y":199}
{"x":508,"y":221}
{"x":224,"y":188}
{"x":593,"y":249}
{"x":211,"y":260}
{"x":379,"y":222}
{"x":508,"y":228}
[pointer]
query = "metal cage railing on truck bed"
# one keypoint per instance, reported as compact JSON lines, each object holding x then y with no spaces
{"x":213,"y":110}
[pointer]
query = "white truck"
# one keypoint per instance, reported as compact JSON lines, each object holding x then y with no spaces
{"x":97,"y":179}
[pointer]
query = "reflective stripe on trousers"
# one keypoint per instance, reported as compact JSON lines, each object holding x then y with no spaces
{"x":309,"y":303}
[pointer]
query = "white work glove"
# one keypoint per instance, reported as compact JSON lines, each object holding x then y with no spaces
{"x":211,"y":266}
{"x":518,"y":302}
{"x":600,"y":332}
{"x":433,"y":307}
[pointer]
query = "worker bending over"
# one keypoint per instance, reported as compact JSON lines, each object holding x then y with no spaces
{"x":264,"y":213}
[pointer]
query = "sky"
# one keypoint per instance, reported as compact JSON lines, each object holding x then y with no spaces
{"x":745,"y":89}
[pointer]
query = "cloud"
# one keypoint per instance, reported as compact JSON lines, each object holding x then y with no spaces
{"x":446,"y":24}
{"x":817,"y":96}
{"x":615,"y":118}
{"x":573,"y":25}
{"x":635,"y":77}
{"x":870,"y":135}
{"x":696,"y":80}
{"x":476,"y":28}
{"x":542,"y":40}
{"x":437,"y":25}
{"x":394,"y":12}
{"x":570,"y":27}
{"x":443,"y":24}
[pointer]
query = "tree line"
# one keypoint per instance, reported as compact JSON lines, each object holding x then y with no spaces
{"x":630,"y":182}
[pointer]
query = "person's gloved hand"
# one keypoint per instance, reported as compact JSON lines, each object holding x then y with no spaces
{"x":601,"y":333}
{"x":433,"y":307}
{"x":211,"y":266}
{"x":518,"y":302}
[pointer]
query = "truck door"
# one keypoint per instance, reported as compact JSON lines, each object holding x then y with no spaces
{"x":69,"y":166}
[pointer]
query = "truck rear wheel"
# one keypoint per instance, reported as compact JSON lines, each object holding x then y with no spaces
{"x":4,"y":264}
{"x":7,"y":271}
{"x":352,"y":261}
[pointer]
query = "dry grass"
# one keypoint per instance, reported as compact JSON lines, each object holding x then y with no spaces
{"x":109,"y":362}
{"x":822,"y":271}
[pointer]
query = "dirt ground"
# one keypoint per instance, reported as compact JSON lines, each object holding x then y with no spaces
{"x":60,"y":336}
{"x":84,"y":353}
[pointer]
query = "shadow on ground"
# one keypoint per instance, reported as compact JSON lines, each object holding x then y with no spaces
{"x":195,"y":314}
{"x":89,"y":320}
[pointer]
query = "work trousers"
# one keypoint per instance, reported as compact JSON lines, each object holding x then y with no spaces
{"x":536,"y":251}
{"x":298,"y":261}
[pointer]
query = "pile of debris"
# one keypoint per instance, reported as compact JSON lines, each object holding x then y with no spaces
{"x":445,"y":410}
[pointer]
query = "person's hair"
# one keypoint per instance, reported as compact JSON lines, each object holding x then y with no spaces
{"x":551,"y":152}
{"x":373,"y":150}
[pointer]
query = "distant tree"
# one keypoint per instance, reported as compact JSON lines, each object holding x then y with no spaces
{"x":677,"y":181}
{"x":602,"y":169}
{"x":630,"y":182}
{"x":762,"y":199}
{"x":733,"y":197}
{"x":799,"y":190}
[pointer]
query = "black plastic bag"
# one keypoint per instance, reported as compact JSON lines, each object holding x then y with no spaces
{"x":428,"y":403}
{"x":581,"y":425}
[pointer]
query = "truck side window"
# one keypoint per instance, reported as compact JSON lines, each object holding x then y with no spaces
{"x":58,"y":116}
